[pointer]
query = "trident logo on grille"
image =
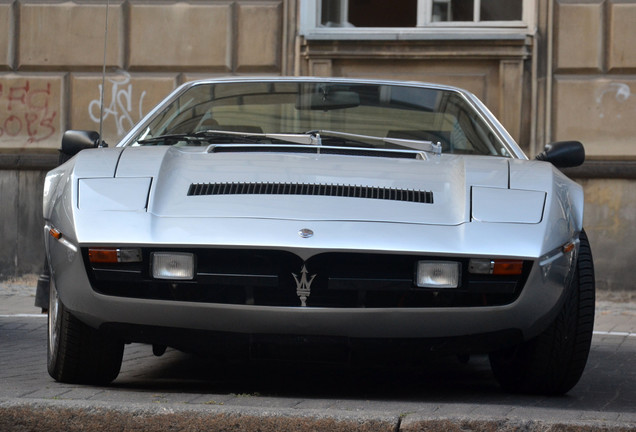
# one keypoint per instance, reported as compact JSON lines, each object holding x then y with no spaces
{"x":303,"y":286}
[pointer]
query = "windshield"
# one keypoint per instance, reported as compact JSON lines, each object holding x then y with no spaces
{"x":343,"y":114}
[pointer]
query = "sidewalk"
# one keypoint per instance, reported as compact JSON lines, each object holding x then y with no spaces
{"x":17,"y":296}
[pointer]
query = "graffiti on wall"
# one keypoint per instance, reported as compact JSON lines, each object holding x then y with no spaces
{"x":35,"y":110}
{"x":26,"y":111}
{"x":120,"y":105}
{"x":618,"y":92}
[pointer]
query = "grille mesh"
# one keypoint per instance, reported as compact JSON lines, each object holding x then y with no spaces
{"x":333,"y":190}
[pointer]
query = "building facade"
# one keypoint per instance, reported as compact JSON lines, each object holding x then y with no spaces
{"x":549,"y":69}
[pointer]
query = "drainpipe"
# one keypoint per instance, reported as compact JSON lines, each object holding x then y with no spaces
{"x":534,"y":86}
{"x":548,"y":84}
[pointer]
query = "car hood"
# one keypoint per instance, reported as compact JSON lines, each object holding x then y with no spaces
{"x":174,"y":170}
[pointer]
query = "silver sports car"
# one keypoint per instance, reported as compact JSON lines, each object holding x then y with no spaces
{"x":353,"y":219}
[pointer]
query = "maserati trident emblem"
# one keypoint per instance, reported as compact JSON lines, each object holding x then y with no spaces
{"x":303,"y":286}
{"x":305,"y":233}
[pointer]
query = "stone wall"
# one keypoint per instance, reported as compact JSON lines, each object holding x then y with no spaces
{"x":51,"y":57}
{"x":593,"y":78}
{"x":21,"y":226}
{"x":610,"y":218}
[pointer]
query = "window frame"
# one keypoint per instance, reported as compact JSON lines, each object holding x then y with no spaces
{"x":310,"y":27}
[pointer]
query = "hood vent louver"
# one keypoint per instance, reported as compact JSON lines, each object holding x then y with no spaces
{"x":333,"y":190}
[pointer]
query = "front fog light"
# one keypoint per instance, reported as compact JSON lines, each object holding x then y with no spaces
{"x":173,"y":265}
{"x":437,"y":274}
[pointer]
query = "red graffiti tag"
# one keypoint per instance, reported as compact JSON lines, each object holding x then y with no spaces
{"x":27,"y":112}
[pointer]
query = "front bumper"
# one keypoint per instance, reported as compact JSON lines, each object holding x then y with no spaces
{"x":533,"y":310}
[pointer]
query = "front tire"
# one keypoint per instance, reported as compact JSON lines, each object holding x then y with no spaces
{"x":77,"y":353}
{"x":553,"y":362}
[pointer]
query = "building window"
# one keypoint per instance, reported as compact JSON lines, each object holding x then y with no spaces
{"x":476,"y":10}
{"x":333,"y":16}
{"x":381,"y":13}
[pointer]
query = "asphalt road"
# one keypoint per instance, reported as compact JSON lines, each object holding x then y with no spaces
{"x":182,"y":392}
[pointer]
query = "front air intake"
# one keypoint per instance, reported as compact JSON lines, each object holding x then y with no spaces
{"x":348,"y":191}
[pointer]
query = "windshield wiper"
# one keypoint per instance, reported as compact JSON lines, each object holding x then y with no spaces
{"x":420,"y":145}
{"x":202,"y":137}
{"x":209,"y":136}
{"x":312,"y":138}
{"x":293,"y":138}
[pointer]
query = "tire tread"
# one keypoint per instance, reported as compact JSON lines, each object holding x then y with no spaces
{"x":84,"y":355}
{"x":553,"y":362}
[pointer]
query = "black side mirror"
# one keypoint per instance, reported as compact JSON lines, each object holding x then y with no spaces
{"x":74,"y":141}
{"x":563,"y":154}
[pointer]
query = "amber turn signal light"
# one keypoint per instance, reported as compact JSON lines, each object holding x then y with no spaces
{"x":568,"y":247}
{"x":55,"y":233}
{"x":114,"y":255}
{"x":495,"y":266}
{"x":507,"y":267}
{"x":102,"y":255}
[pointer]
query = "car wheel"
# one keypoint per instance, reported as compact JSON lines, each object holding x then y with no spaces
{"x":77,"y":353}
{"x":553,"y":362}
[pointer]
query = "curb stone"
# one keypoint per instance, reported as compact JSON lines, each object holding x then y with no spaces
{"x":72,"y":416}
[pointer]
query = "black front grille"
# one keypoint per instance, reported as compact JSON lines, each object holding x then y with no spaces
{"x":333,"y":190}
{"x":274,"y":278}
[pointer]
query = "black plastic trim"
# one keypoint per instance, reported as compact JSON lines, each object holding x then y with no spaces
{"x":333,"y":190}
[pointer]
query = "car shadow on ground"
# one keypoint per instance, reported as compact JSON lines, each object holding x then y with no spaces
{"x":608,"y":383}
{"x":447,"y":378}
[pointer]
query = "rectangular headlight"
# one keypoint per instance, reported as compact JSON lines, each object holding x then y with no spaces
{"x":438,"y":274}
{"x":173,"y":265}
